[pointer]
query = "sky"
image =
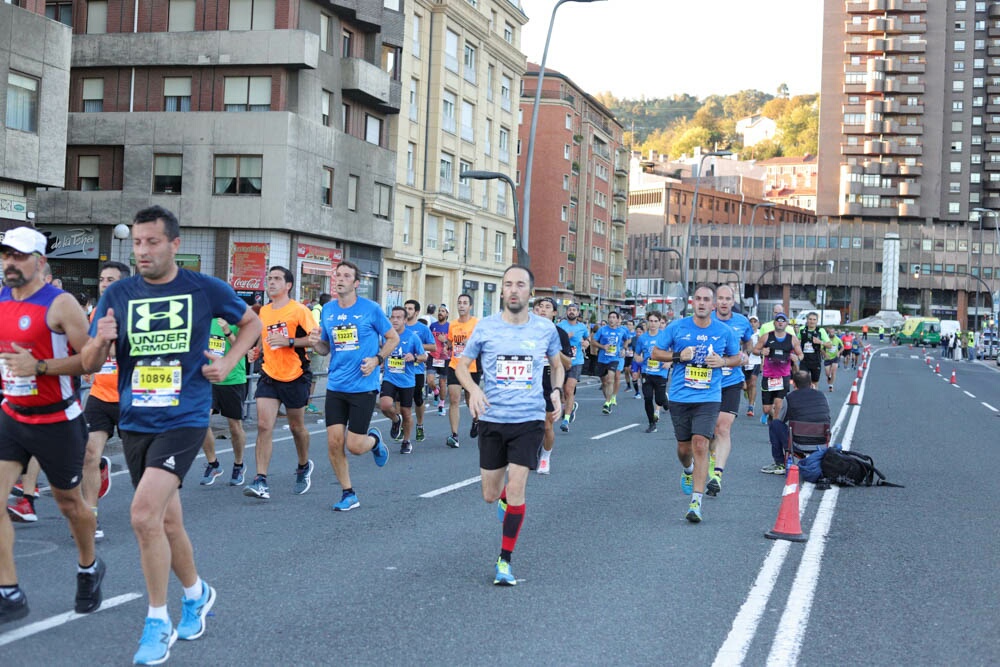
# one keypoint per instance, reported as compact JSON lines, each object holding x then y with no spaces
{"x":658,"y":48}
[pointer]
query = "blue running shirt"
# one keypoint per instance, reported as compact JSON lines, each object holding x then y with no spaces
{"x":743,"y":331}
{"x":614,"y":338}
{"x":354,"y":334}
{"x":644,"y":345}
{"x":693,"y":381}
{"x":402,"y":373}
{"x":425,"y":336}
{"x":577,"y":332}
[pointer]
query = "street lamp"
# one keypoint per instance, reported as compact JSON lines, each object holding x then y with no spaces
{"x":680,"y":258}
{"x":982,"y":246}
{"x":753,"y":214}
{"x":121,"y":232}
{"x":521,"y":240}
{"x":694,"y":210}
{"x":531,"y":133}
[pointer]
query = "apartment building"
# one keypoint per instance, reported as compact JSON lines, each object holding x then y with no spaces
{"x":263,"y":125}
{"x":461,"y":69}
{"x":34,"y":72}
{"x":791,"y":180}
{"x":579,"y":198}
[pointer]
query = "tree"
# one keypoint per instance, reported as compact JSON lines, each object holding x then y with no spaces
{"x":744,"y":103}
{"x":692,"y":137}
{"x":783,"y":91}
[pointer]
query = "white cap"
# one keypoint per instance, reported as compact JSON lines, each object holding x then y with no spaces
{"x":25,"y":239}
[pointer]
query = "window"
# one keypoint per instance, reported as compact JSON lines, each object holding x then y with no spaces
{"x":504,"y":145}
{"x":451,"y":51}
{"x":324,"y":32}
{"x":954,"y":188}
{"x":469,"y":63}
{"x":490,"y":76}
{"x":956,"y":126}
{"x":448,"y":111}
{"x":373,"y":129}
{"x":180,"y":16}
{"x":407,"y":224}
{"x":411,"y":162}
{"x":468,"y":121}
{"x":447,"y":173}
{"x":416,"y":36}
{"x":955,"y":167}
{"x":345,"y":117}
{"x":382,"y":203}
{"x":60,"y":11}
{"x":499,"y":245}
{"x":167,"y":171}
{"x":565,"y":181}
{"x":566,"y":152}
{"x":326,"y":186}
{"x":958,"y":66}
{"x":391,"y":4}
{"x":22,"y":102}
{"x":346,"y":44}
{"x":505,"y":92}
{"x":958,"y":86}
{"x":959,"y":45}
{"x":238,"y":174}
{"x":501,"y":198}
{"x":569,"y":125}
{"x":449,"y":236}
{"x":600,"y":199}
{"x":464,"y":185}
{"x":564,"y":214}
{"x":432,"y":232}
{"x":413,"y":99}
{"x":248,"y":93}
{"x":956,"y":146}
{"x":88,"y":172}
{"x":562,"y":244}
{"x":954,"y":207}
{"x":97,"y":17}
{"x":508,"y":33}
{"x":352,"y":192}
{"x":177,"y":93}
{"x":251,"y":14}
{"x":93,"y":95}
{"x":957,"y":105}
{"x":326,"y":104}
{"x":601,"y":171}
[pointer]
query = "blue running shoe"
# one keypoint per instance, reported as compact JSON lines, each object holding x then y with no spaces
{"x":154,"y":646}
{"x":193,"y":613}
{"x":238,"y":476}
{"x":303,"y":479}
{"x":211,"y":472}
{"x":257,"y":489}
{"x":694,"y":512}
{"x":572,"y":415}
{"x":504,"y":577}
{"x":452,"y":441}
{"x":501,"y":509}
{"x":564,"y":425}
{"x":381,"y":452}
{"x":763,"y":419}
{"x":687,"y":483}
{"x":348,"y":501}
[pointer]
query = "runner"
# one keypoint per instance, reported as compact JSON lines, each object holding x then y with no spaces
{"x":579,"y":340}
{"x":285,"y":379}
{"x":423,"y":332}
{"x":440,"y":357}
{"x":459,"y":332}
{"x":318,"y":363}
{"x":101,"y":412}
{"x":732,"y":387}
{"x":830,"y":355}
{"x":693,"y":344}
{"x":228,"y":397}
{"x":654,"y":373}
{"x":635,"y":367}
{"x":778,"y":349}
{"x":41,"y":416}
{"x":625,"y":366}
{"x":848,"y":345}
{"x":164,"y":316}
{"x":609,"y":341}
{"x":814,"y":342}
{"x":513,"y":345}
{"x":353,"y":326}
{"x":751,"y":370}
{"x":399,"y":383}
{"x":546,"y":308}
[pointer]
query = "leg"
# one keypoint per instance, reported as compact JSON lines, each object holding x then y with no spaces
{"x":407,"y":422}
{"x":29,"y":480}
{"x":239,"y":439}
{"x":388,"y":407}
{"x":569,"y":389}
{"x":156,"y":490}
{"x":359,"y":444}
{"x":9,"y":470}
{"x":647,"y":394}
{"x":300,"y":435}
{"x":208,"y":446}
{"x":723,"y":439}
{"x":454,"y":400}
{"x":90,"y":483}
{"x":338,"y":458}
{"x":267,"y":414}
{"x":699,"y":444}
{"x":608,"y":384}
{"x":181,"y":551}
{"x":685,"y":453}
{"x":82,"y":522}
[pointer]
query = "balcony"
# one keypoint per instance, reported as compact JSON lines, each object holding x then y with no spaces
{"x":909,"y":210}
{"x":620,"y":195}
{"x":909,"y":189}
{"x":850,"y":208}
{"x":571,"y":257}
{"x":572,"y":227}
{"x":616,"y":270}
{"x":364,"y":82}
{"x":617,"y":246}
{"x":570,"y":286}
{"x":616,"y":294}
{"x":913,"y":130}
{"x":910,"y":170}
{"x":618,"y":220}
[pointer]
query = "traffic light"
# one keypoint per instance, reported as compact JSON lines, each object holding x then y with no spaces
{"x":916,"y":270}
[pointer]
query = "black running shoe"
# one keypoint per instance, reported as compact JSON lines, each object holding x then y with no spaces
{"x":88,"y":588}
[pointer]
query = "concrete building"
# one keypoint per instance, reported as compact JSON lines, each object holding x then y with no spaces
{"x":34,"y":71}
{"x":910,"y":138}
{"x":755,"y":129}
{"x":461,"y":71}
{"x":265,"y":126}
{"x":791,"y":180}
{"x":579,"y":210}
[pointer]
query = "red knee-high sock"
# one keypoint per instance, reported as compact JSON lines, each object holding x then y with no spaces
{"x":503,"y":494}
{"x":512,"y":521}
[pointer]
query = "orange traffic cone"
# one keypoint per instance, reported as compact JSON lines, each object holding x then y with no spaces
{"x":928,"y":360}
{"x":788,"y":527}
{"x":937,"y":368}
{"x":861,"y":372}
{"x":854,"y":395}
{"x":953,"y":380}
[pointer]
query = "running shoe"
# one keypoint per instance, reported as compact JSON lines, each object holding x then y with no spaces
{"x":543,"y":466}
{"x":687,"y":483}
{"x":763,"y":419}
{"x":501,"y":508}
{"x":614,"y":400}
{"x":211,"y":472}
{"x":105,"y":467}
{"x":504,"y":577}
{"x":154,"y":646}
{"x":651,"y":428}
{"x":239,"y":475}
{"x":572,"y":414}
{"x":656,"y":414}
{"x":193,"y":613}
{"x":638,"y":395}
{"x":406,"y":447}
{"x":773,"y":469}
{"x":714,"y":486}
{"x":474,"y":430}
{"x":257,"y":489}
{"x":441,"y":408}
{"x":380,"y":452}
{"x":88,"y":588}
{"x":396,"y":430}
{"x":303,"y":480}
{"x":18,"y":490}
{"x":452,"y":441}
{"x":13,"y":608}
{"x":607,"y":408}
{"x":694,"y":512}
{"x":98,"y":532}
{"x":311,"y":409}
{"x":830,"y":387}
{"x":564,"y":426}
{"x":750,"y":412}
{"x":23,"y":510}
{"x":420,"y":433}
{"x":348,"y":501}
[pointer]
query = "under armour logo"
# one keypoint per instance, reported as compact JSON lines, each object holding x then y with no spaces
{"x":146,"y":316}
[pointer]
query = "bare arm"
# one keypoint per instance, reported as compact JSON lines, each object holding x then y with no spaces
{"x":477,"y":399}
{"x":64,"y":316}
{"x":250,"y":328}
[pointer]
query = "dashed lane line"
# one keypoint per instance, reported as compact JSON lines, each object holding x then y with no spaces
{"x":990,"y":407}
{"x":61,"y":619}
{"x":968,"y":394}
{"x":617,"y":430}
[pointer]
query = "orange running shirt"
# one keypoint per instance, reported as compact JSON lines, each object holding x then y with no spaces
{"x":105,"y":385}
{"x":459,"y":334}
{"x":294,"y":320}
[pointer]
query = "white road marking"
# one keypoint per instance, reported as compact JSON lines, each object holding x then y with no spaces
{"x":61,"y":619}
{"x":990,"y":407}
{"x":451,"y":487}
{"x":912,"y":356}
{"x":886,"y":355}
{"x":617,"y":430}
{"x":968,"y":394}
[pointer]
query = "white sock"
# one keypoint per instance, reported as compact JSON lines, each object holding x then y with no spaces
{"x":546,"y":455}
{"x":193,"y":592}
{"x":159,"y":613}
{"x":689,"y":470}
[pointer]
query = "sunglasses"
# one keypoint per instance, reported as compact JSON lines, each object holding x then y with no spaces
{"x":15,"y":255}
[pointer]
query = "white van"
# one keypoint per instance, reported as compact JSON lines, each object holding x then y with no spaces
{"x":950,"y":327}
{"x":827,"y":318}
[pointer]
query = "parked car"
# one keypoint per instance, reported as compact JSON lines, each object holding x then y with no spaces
{"x":989,"y":345}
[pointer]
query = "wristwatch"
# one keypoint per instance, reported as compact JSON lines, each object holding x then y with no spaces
{"x":41,"y":367}
{"x":291,"y":342}
{"x":381,"y":359}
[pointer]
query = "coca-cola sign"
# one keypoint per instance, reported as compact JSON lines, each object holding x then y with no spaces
{"x":248,"y":266}
{"x":247,"y":283}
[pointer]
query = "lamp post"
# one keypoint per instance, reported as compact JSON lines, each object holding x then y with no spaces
{"x":982,"y":212}
{"x":753,"y":214}
{"x":680,"y":258}
{"x":520,"y":239}
{"x":694,"y":210}
{"x":121,"y":232}
{"x":532,"y":129}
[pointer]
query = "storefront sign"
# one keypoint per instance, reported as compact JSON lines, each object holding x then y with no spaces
{"x":248,"y":266}
{"x":13,"y":207}
{"x":71,"y":242}
{"x":320,"y":253}
{"x":491,"y":287}
{"x":470,"y":285}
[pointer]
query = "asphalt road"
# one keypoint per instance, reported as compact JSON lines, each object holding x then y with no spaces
{"x":609,"y":572}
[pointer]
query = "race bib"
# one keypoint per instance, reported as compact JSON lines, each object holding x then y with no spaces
{"x":345,"y":338}
{"x":438,"y":363}
{"x":514,"y":371}
{"x":652,"y":365}
{"x":395,"y":364}
{"x":280,"y":328}
{"x":778,"y":354}
{"x":156,"y":386}
{"x":572,"y":351}
{"x":612,"y":350}
{"x":18,"y":386}
{"x":775,"y":384}
{"x":458,"y":349}
{"x":697,"y":377}
{"x":109,"y":367}
{"x":808,"y":348}
{"x":217,"y":345}
{"x":726,"y":371}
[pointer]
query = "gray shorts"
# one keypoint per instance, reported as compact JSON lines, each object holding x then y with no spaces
{"x":574,"y":372}
{"x":692,"y":419}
